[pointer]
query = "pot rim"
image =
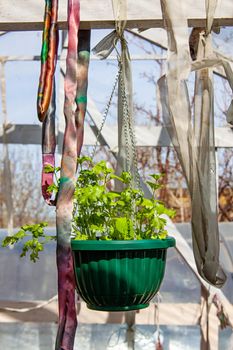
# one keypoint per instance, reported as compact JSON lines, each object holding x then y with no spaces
{"x":123,"y":245}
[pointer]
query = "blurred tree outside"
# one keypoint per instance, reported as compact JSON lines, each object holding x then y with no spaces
{"x":25,"y":161}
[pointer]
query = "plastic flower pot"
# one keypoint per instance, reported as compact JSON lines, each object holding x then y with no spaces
{"x":119,"y":275}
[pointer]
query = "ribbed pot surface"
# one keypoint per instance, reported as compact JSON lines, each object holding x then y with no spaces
{"x":120,"y":279}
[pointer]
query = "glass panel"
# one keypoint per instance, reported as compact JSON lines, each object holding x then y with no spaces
{"x":225,"y":339}
{"x":180,"y":285}
{"x":24,"y":280}
{"x":34,"y":336}
{"x":21,"y":279}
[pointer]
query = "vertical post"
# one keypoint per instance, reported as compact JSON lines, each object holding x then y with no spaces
{"x":204,"y":320}
{"x":7,"y":180}
{"x":130,"y":333}
{"x":208,"y":323}
{"x":61,"y":119}
{"x":217,"y":172}
{"x":213,"y":329}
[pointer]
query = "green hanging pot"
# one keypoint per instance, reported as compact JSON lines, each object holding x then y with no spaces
{"x":119,"y":275}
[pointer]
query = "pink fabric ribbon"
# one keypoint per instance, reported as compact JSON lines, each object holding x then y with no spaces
{"x":47,"y":178}
{"x":75,"y":92}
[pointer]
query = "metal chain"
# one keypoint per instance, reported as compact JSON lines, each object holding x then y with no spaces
{"x":106,"y":112}
{"x":129,"y":133}
{"x":125,"y":122}
{"x":103,"y":122}
{"x":158,"y":340}
{"x":129,"y":141}
{"x":128,"y":125}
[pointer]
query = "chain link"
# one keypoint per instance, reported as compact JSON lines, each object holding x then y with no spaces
{"x":106,"y":111}
{"x":130,"y":139}
{"x":103,"y":121}
{"x":129,"y":133}
{"x":128,"y":126}
{"x":127,"y":123}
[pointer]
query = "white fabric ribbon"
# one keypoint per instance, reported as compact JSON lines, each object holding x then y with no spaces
{"x":193,"y":137}
{"x":126,"y":140}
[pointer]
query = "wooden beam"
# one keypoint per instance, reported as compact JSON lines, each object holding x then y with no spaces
{"x":22,"y":134}
{"x":158,"y":37}
{"x":17,"y":15}
{"x":170,"y":314}
{"x":139,"y":57}
{"x":186,"y":253}
{"x":146,"y":136}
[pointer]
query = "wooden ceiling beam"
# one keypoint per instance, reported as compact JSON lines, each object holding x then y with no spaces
{"x":19,"y":15}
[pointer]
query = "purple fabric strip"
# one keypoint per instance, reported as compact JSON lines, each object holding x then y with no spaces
{"x":66,"y":281}
{"x":48,"y":148}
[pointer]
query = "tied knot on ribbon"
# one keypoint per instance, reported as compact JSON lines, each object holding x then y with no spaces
{"x":221,"y":313}
{"x":106,"y":45}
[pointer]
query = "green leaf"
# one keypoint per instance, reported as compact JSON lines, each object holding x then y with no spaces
{"x":48,"y":169}
{"x":97,"y":228}
{"x":113,"y":195}
{"x":27,"y":227}
{"x":80,"y":236}
{"x":126,"y":176}
{"x":157,"y":176}
{"x":113,"y":176}
{"x":52,"y":188}
{"x":147,"y":203}
{"x":83,"y":159}
{"x":154,"y":186}
{"x":101,"y":168}
{"x":99,"y":212}
{"x":124,"y":226}
{"x":9,"y":240}
{"x":162,"y":234}
{"x":121,"y":203}
{"x":20,"y":234}
{"x":34,"y":247}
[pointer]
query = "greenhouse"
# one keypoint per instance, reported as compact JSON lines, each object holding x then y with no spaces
{"x":116,"y":197}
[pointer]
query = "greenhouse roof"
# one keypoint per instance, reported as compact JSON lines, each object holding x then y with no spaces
{"x":141,"y":14}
